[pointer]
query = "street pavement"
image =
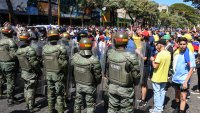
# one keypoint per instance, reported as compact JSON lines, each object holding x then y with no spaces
{"x":193,"y":104}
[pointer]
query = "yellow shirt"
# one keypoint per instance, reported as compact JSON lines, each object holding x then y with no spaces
{"x":156,"y":38}
{"x":137,"y":41}
{"x":160,"y":74}
{"x":188,"y":36}
{"x":190,"y":47}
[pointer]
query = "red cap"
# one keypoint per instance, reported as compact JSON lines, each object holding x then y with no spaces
{"x":101,"y":37}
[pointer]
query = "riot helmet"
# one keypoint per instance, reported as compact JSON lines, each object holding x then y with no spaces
{"x":85,"y":46}
{"x":53,"y":35}
{"x":120,"y":39}
{"x":65,"y":35}
{"x":82,"y":34}
{"x":7,"y":30}
{"x":25,"y":36}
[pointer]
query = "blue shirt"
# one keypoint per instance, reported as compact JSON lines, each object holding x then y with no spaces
{"x":182,"y":68}
{"x":131,"y":47}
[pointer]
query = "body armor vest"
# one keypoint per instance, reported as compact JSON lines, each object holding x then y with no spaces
{"x":83,"y":70}
{"x":23,"y":61}
{"x":51,"y":59}
{"x":117,"y":69}
{"x":4,"y":53}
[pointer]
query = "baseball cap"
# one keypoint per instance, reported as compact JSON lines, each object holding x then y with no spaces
{"x":162,"y":41}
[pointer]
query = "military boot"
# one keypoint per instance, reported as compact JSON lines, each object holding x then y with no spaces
{"x":90,"y":110}
{"x":10,"y":102}
{"x":31,"y":107}
{"x":51,"y":107}
{"x":77,"y":111}
{"x":60,"y":104}
{"x":1,"y":90}
{"x":2,"y":96}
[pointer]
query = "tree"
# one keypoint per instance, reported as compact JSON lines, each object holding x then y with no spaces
{"x":86,"y":6}
{"x":195,"y":3}
{"x":148,"y":10}
{"x":171,"y":20}
{"x":11,"y":12}
{"x":187,"y":12}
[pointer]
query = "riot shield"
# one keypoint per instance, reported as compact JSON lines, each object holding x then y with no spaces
{"x":1,"y":36}
{"x":102,"y":88}
{"x":40,"y":71}
{"x":141,"y":60}
{"x":70,"y":84}
{"x":2,"y":82}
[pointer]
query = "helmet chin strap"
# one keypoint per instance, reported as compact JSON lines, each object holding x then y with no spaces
{"x":83,"y":54}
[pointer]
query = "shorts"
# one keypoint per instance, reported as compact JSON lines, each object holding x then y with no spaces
{"x":146,"y":72}
{"x":179,"y":87}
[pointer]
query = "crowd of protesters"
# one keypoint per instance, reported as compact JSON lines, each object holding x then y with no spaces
{"x":167,"y":55}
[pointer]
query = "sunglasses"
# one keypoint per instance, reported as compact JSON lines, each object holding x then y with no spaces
{"x":182,"y":44}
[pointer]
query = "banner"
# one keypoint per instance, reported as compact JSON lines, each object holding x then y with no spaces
{"x":43,"y":8}
{"x":18,"y":5}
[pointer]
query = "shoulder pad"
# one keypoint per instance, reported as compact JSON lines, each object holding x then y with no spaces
{"x":110,"y":51}
{"x":11,"y":43}
{"x":93,"y":59}
{"x":76,"y":55}
{"x":30,"y":48}
{"x":131,"y":57}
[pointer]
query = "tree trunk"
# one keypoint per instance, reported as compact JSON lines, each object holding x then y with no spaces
{"x":49,"y":12}
{"x":112,"y":16}
{"x":132,"y":20}
{"x":10,"y":9}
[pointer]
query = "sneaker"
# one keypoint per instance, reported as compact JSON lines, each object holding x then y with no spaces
{"x":176,"y":111}
{"x":196,"y":92}
{"x":153,"y":111}
{"x":181,"y":111}
{"x":188,"y":95}
{"x":139,"y":100}
{"x":142,"y":103}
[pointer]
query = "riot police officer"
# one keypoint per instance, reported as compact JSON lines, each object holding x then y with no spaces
{"x":87,"y":73}
{"x":123,"y":72}
{"x":67,"y":42}
{"x":55,"y":61}
{"x":29,"y":64}
{"x":8,"y":49}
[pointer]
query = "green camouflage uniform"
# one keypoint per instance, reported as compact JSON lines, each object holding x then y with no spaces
{"x":55,"y":60}
{"x":87,"y":73}
{"x":122,"y":72}
{"x":28,"y":63}
{"x":8,"y":49}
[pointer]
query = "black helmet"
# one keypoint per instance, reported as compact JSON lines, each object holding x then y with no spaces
{"x":83,"y":34}
{"x":53,"y":35}
{"x":85,"y":46}
{"x":7,"y":29}
{"x":25,"y":36}
{"x":120,"y":38}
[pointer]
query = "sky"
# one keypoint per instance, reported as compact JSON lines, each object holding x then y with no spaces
{"x":170,"y":2}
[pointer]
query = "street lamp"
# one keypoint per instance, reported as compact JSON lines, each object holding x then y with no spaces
{"x":102,"y":13}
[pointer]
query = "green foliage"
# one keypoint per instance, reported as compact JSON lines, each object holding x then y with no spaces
{"x":195,"y":3}
{"x":175,"y":21}
{"x":184,"y":11}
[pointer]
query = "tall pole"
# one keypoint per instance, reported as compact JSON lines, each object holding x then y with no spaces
{"x":58,"y":12}
{"x":49,"y":12}
{"x":10,"y":17}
